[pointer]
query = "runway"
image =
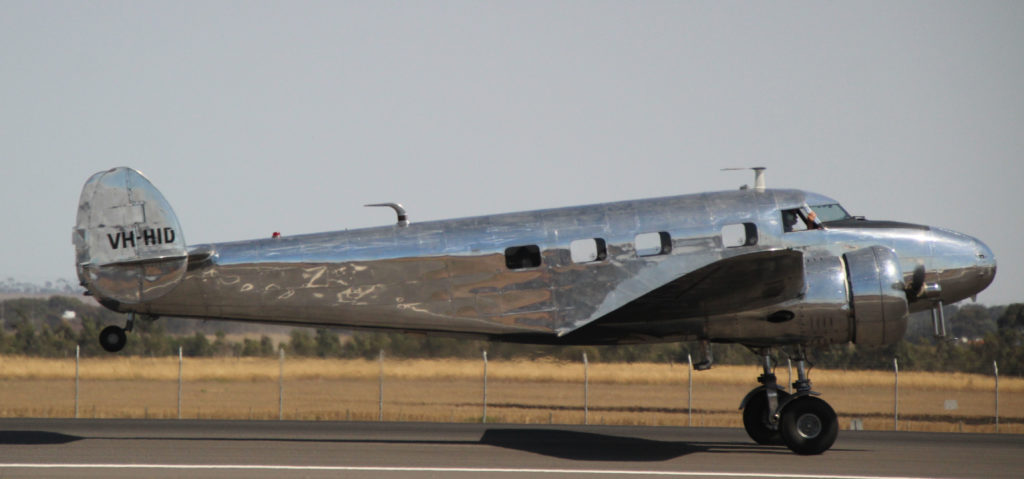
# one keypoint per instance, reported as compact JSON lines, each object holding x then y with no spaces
{"x":271,"y":449}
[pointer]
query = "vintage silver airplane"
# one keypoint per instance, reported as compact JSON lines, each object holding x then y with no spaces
{"x":767,"y":268}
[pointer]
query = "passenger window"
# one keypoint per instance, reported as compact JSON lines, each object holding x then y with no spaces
{"x":588,"y":250}
{"x":519,"y":257}
{"x":651,"y":244}
{"x":740,"y":234}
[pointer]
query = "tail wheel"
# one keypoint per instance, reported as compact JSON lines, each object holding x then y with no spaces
{"x":755,"y":419}
{"x":113,"y":338}
{"x":808,"y":426}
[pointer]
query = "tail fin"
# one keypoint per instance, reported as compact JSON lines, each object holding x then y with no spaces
{"x":128,"y":242}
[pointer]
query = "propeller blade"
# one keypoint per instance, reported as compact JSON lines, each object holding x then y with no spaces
{"x":916,"y":284}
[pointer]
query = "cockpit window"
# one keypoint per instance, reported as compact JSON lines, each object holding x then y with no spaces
{"x":794,"y":220}
{"x":799,"y":219}
{"x":831,"y":212}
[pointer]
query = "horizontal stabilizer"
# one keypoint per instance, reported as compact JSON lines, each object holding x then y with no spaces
{"x":128,"y":243}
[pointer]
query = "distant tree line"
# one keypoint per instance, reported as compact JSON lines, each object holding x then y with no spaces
{"x":53,"y":327}
{"x":60,"y":286}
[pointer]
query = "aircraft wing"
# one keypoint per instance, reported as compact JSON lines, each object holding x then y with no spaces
{"x":730,"y":285}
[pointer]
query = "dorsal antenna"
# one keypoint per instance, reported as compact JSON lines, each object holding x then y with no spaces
{"x":759,"y":182}
{"x":403,"y":219}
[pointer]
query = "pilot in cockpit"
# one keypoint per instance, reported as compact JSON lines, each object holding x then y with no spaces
{"x":794,"y":220}
{"x":788,"y":220}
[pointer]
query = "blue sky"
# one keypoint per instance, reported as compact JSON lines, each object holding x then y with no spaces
{"x":254,"y":117}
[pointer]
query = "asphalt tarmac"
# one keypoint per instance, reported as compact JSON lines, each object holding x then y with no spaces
{"x":271,"y":449}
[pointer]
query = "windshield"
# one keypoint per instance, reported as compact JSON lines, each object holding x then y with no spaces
{"x":832,"y":212}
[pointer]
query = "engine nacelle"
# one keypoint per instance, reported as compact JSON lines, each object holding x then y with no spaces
{"x":858,"y":296}
{"x":877,"y":296}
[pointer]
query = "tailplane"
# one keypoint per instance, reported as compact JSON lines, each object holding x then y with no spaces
{"x":128,"y":243}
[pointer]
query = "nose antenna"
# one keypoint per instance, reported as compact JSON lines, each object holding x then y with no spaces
{"x":759,"y":181}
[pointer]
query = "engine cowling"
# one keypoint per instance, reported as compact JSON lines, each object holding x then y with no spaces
{"x":858,"y":296}
{"x":877,"y":296}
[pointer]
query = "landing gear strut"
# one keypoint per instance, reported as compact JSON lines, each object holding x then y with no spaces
{"x":759,"y":420}
{"x":113,"y":338}
{"x":804,"y":423}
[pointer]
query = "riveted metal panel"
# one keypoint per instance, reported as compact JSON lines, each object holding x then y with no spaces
{"x":128,"y":243}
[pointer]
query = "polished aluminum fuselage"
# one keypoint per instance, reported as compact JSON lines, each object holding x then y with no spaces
{"x":452,"y":276}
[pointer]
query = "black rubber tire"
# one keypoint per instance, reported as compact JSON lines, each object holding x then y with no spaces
{"x":808,"y":426}
{"x":113,"y":338}
{"x":755,"y":419}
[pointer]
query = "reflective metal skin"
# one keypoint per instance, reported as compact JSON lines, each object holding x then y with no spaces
{"x":761,"y":267}
{"x":128,"y":243}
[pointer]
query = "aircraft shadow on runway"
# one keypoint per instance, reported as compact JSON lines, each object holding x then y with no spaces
{"x":36,"y":438}
{"x":586,"y":446}
{"x":564,"y":444}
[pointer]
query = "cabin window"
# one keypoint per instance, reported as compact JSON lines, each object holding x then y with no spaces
{"x":740,"y":234}
{"x":651,"y":244}
{"x":588,"y":250}
{"x":519,"y":257}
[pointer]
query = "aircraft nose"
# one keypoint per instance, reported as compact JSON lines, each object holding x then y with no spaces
{"x":986,"y":263}
{"x":965,"y":265}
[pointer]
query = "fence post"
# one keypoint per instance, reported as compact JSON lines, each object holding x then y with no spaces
{"x":78,"y":349}
{"x":689,"y":392}
{"x":896,"y":395}
{"x":280,"y":385}
{"x":484,"y":419}
{"x":995,"y":368}
{"x":586,"y":390}
{"x":380,"y":387}
{"x":179,"y":381}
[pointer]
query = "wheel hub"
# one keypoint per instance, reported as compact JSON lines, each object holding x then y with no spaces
{"x":808,"y":426}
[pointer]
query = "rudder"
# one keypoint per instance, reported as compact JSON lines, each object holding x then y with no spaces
{"x":128,"y":243}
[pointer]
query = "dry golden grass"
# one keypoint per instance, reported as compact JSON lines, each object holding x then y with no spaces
{"x":257,"y":369}
{"x":452,"y":390}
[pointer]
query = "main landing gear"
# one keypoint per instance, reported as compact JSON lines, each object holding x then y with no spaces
{"x":113,"y":338}
{"x":804,"y":423}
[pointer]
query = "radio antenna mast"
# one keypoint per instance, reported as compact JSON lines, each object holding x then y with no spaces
{"x":759,"y":182}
